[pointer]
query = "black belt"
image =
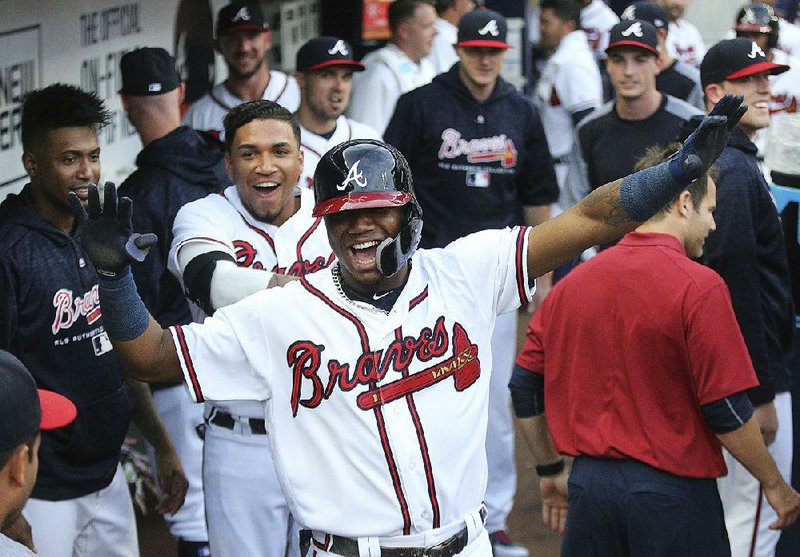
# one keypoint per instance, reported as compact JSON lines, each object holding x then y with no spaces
{"x":223,"y":419}
{"x":455,"y":544}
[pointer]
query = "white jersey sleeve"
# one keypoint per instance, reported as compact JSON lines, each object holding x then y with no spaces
{"x":217,"y":356}
{"x":495,"y":263}
{"x":375,"y":94}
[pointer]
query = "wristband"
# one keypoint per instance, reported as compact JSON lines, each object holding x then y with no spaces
{"x":549,"y":470}
{"x":124,"y":315}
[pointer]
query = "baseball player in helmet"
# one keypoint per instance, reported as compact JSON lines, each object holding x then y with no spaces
{"x":374,"y":373}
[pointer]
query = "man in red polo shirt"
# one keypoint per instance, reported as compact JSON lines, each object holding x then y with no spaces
{"x":643,"y":368}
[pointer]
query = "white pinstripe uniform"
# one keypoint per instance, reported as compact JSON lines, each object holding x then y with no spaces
{"x":314,"y":146}
{"x":685,"y":43}
{"x":246,"y":511}
{"x":377,"y":420}
{"x":209,"y":111}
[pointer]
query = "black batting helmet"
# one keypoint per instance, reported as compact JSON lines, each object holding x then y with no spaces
{"x":366,"y":174}
{"x":758,"y":18}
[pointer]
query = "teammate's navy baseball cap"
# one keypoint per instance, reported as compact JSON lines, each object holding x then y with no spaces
{"x":148,"y":71}
{"x":647,"y":11}
{"x":483,"y":28}
{"x":634,"y":33}
{"x":24,"y":409}
{"x":734,"y":59}
{"x":241,"y":16}
{"x":322,"y":52}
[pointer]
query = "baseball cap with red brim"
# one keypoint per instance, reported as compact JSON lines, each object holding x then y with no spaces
{"x":241,"y":16}
{"x":635,"y":33}
{"x":24,"y":409}
{"x":734,"y":59}
{"x":483,"y":28}
{"x":323,"y":52}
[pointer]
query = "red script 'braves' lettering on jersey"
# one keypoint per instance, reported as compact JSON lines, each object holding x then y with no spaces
{"x":498,"y":148}
{"x":375,"y":394}
{"x":69,"y":308}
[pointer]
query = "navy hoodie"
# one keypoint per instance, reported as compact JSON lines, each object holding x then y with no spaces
{"x":50,"y":318}
{"x":180,"y":167}
{"x":475,"y":164}
{"x":748,"y":250}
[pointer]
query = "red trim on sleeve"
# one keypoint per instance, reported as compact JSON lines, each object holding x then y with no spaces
{"x":187,"y":358}
{"x":520,"y":260}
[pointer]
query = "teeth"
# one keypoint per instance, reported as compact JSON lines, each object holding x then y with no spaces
{"x":761,"y":104}
{"x":365,"y":245}
{"x":266,"y":185}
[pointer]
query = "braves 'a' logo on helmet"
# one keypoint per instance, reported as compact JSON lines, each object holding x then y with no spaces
{"x":355,"y":176}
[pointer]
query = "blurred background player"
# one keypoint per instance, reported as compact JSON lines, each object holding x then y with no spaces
{"x":177,"y":165}
{"x":570,"y":86}
{"x":325,"y":69}
{"x":759,"y":23}
{"x":244,"y":39}
{"x":448,"y":14}
{"x":479,"y":156}
{"x":677,"y":79}
{"x":611,"y":139}
{"x":24,"y":413}
{"x":398,"y":67}
{"x":684,"y":41}
{"x":749,"y":252}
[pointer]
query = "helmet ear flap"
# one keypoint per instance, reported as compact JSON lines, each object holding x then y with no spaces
{"x":395,"y":252}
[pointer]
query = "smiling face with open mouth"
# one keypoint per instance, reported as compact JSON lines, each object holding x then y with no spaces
{"x":265,"y":162}
{"x":67,"y":161}
{"x":756,"y":90}
{"x":354,"y":237}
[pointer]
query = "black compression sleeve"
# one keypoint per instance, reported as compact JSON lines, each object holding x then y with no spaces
{"x":197,"y":278}
{"x":729,"y":413}
{"x":527,"y":392}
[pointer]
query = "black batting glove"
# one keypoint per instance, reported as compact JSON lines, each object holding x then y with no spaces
{"x":107,"y":234}
{"x":702,"y":148}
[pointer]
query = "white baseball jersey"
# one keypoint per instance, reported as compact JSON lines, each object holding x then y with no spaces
{"x":685,"y":43}
{"x":443,"y":55}
{"x":570,"y":83}
{"x":785,"y":89}
{"x":298,"y":246}
{"x":377,"y":420}
{"x":389,"y":74}
{"x":597,"y":19}
{"x":208,"y":112}
{"x":314,"y":146}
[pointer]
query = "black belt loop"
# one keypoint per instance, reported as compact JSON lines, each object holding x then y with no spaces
{"x":223,"y":419}
{"x":347,"y":547}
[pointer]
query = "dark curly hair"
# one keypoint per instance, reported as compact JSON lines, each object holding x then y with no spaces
{"x":245,"y":113}
{"x":59,"y":106}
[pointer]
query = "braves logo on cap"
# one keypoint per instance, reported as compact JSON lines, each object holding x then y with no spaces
{"x":353,"y":175}
{"x":490,"y":29}
{"x":339,"y":47}
{"x":756,"y":51}
{"x":242,"y":15}
{"x":635,"y":29}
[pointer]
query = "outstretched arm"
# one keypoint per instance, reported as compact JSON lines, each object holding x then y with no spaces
{"x":145,"y":349}
{"x":620,"y":206}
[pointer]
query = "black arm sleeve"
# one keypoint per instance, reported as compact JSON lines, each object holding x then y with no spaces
{"x":729,"y":413}
{"x":197,"y":278}
{"x":527,"y":392}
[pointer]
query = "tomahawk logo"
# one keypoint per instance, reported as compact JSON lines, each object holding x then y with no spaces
{"x":242,"y":14}
{"x":339,"y":47}
{"x":756,"y":51}
{"x":355,"y":176}
{"x":634,"y":29}
{"x":490,"y":28}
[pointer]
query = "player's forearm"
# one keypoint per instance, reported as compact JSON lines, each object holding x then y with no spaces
{"x":747,"y":446}
{"x":537,"y":437}
{"x":146,"y":416}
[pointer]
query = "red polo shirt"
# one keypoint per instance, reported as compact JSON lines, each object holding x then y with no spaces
{"x":631,"y":345}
